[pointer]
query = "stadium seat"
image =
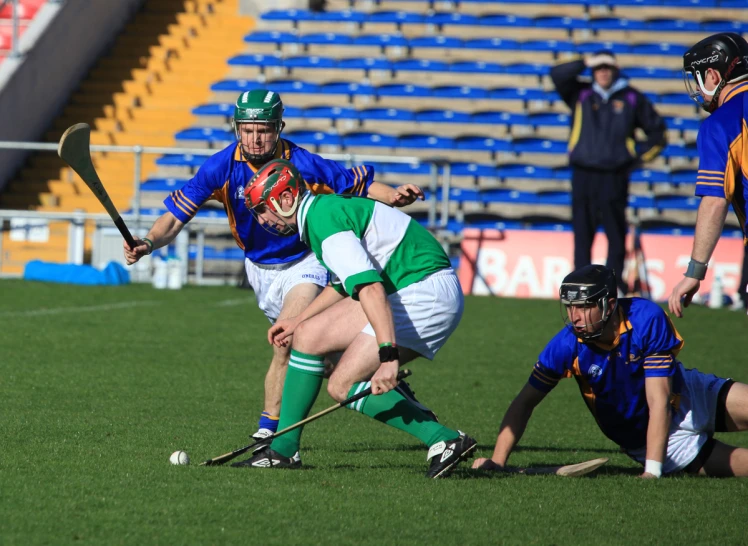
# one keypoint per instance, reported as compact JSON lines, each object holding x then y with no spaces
{"x":207,"y":134}
{"x":672,"y":25}
{"x":676,"y":202}
{"x":162,"y":184}
{"x":479,"y":143}
{"x":510,"y":171}
{"x":275,"y":37}
{"x":328,"y":112}
{"x":649,"y":176}
{"x":538,"y":145}
{"x":424,"y":142}
{"x":363,"y":138}
{"x":442,"y":116}
{"x":181,"y":160}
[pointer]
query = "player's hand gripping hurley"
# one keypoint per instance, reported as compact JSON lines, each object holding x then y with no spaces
{"x":402,"y":374}
{"x":74,"y":149}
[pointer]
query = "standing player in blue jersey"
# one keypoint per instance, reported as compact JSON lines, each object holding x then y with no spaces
{"x":622,"y":353}
{"x":283,"y":273}
{"x":716,"y":76}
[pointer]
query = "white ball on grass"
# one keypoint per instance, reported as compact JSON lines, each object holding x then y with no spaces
{"x":179,"y":457}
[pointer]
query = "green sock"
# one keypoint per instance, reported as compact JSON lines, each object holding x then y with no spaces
{"x":303,"y":381}
{"x":393,"y":409}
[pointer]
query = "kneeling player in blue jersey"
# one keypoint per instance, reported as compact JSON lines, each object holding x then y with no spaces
{"x":622,"y":352}
{"x":284,"y":275}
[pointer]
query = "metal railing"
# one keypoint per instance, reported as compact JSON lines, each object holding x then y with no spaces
{"x":135,"y":218}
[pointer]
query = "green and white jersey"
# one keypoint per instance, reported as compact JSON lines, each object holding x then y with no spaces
{"x":362,"y":241}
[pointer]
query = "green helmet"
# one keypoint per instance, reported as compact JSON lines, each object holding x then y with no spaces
{"x":258,"y":106}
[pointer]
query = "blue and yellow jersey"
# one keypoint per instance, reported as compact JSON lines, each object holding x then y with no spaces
{"x":224,"y":176}
{"x":611,"y":377}
{"x":723,"y":153}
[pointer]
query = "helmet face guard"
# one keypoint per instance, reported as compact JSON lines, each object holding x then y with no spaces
{"x":262,"y":109}
{"x":726,"y":54}
{"x":588,"y":288}
{"x":263,"y":195}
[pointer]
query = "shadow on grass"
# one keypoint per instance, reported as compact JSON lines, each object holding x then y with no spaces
{"x":607,"y":470}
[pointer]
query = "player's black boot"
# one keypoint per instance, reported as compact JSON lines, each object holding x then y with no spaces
{"x":404,"y":389}
{"x":445,"y":456}
{"x":267,"y":458}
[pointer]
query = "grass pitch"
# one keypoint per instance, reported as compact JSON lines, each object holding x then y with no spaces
{"x":98,"y":386}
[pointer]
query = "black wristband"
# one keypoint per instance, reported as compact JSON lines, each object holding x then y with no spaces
{"x":388,"y":353}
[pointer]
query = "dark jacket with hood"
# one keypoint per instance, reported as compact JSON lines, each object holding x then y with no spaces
{"x":603,"y":121}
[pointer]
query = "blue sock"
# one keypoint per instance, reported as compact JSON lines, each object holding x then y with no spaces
{"x":268,"y":421}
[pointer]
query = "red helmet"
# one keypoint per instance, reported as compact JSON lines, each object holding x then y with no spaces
{"x":267,"y":185}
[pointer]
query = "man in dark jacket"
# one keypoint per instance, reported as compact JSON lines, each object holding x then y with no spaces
{"x":602,"y":151}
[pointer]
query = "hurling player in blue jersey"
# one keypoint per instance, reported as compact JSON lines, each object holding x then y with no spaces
{"x":716,"y":76}
{"x":283,"y":273}
{"x":623,"y":355}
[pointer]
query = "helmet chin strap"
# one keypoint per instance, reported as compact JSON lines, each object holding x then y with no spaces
{"x":280,"y":211}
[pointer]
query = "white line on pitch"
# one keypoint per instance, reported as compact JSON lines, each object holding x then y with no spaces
{"x":84,"y":309}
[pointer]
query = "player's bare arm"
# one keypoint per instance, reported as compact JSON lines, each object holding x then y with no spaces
{"x":709,"y":224}
{"x":376,"y":306}
{"x":658,"y":402}
{"x":280,"y":332}
{"x":397,"y":197}
{"x":512,"y":427}
{"x":163,"y":232}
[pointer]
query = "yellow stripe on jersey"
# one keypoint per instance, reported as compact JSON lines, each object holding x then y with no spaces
{"x":187,"y":199}
{"x":363,"y":180}
{"x":186,"y":202}
{"x":703,"y":177}
{"x":540,"y":374}
{"x":545,"y":381}
{"x":656,"y":367}
{"x":179,"y":205}
{"x":712,"y":172}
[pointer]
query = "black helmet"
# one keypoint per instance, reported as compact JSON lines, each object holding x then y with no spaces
{"x":592,"y":285}
{"x":727,"y":53}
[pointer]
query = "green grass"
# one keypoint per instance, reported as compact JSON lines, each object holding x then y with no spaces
{"x":94,"y":400}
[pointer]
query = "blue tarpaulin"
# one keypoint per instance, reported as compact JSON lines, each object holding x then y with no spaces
{"x":112,"y":274}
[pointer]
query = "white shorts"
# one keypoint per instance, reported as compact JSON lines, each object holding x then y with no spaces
{"x":426,"y":313}
{"x":272,"y":284}
{"x":692,"y":422}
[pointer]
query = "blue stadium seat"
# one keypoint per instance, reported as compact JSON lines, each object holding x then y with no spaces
{"x":688,"y":151}
{"x":684,"y":124}
{"x":554,"y":46}
{"x":683,"y":176}
{"x":425,"y":142}
{"x":479,"y":143}
{"x":450,"y":42}
{"x":365,"y":63}
{"x":458,"y":91}
{"x":519,"y":170}
{"x":403,"y":168}
{"x":592,"y":47}
{"x":313,"y":138}
{"x":502,"y":195}
{"x":402,"y":90}
{"x":720,"y":25}
{"x":498,"y":118}
{"x":272,"y":37}
{"x":163,"y":184}
{"x":568,"y":23}
{"x":308,"y":61}
{"x":343,"y":88}
{"x":209,"y":134}
{"x":365,"y":138}
{"x":693,"y":3}
{"x":653,"y":72}
{"x":501,"y":20}
{"x":497,"y":44}
{"x":676,"y":202}
{"x":211,"y":253}
{"x":661,"y":48}
{"x":280,"y":86}
{"x":255,"y":60}
{"x":614,"y":23}
{"x":442,"y":116}
{"x":641,"y":201}
{"x":539,"y":145}
{"x":528,"y":69}
{"x":473,"y":169}
{"x":524,"y":94}
{"x":554,"y":198}
{"x":476,"y":67}
{"x":672,"y":25}
{"x":328,"y":112}
{"x":393,"y":114}
{"x":420,"y":65}
{"x":181,"y":160}
{"x":673,"y":98}
{"x":649,"y":176}
{"x":441,"y":18}
{"x":381,"y":40}
{"x":340,"y":16}
{"x":293,"y":112}
{"x":548,"y":119}
{"x":324,"y":38}
{"x":399,"y":17}
{"x":287,"y":15}
{"x":214,"y":109}
{"x":462,"y":195}
{"x":562,"y":173}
